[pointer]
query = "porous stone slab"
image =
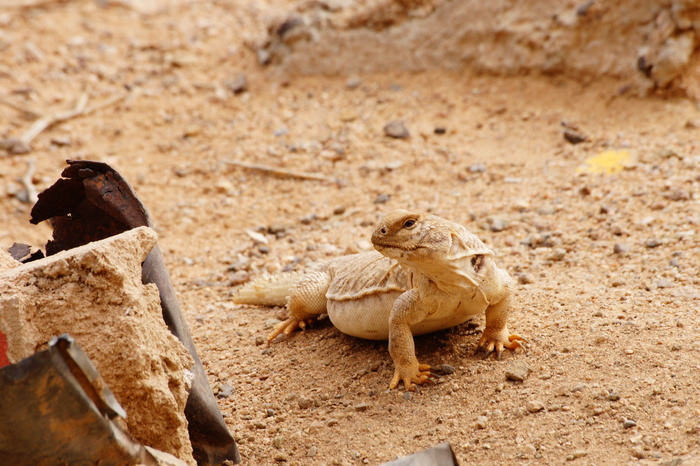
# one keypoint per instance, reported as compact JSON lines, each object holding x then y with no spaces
{"x":94,"y":293}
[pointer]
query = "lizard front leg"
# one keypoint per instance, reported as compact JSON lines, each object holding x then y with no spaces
{"x":407,"y":310}
{"x":306,"y":301}
{"x":496,"y":336}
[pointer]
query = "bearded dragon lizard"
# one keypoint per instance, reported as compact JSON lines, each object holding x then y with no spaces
{"x":427,"y":274}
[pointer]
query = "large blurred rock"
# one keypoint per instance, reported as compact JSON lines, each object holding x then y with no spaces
{"x":650,"y":41}
{"x":95,"y":293}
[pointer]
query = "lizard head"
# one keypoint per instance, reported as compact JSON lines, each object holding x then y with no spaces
{"x":413,"y":237}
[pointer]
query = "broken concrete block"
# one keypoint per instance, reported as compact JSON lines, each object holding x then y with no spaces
{"x":6,"y":260}
{"x":95,"y":293}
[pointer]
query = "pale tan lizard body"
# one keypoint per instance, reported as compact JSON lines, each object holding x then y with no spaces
{"x":429,"y":274}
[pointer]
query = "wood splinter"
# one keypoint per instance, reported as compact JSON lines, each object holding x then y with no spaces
{"x":280,"y":172}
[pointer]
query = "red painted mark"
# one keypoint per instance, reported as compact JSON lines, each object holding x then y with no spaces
{"x":3,"y":351}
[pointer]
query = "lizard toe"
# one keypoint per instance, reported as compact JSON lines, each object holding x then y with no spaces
{"x":411,"y":375}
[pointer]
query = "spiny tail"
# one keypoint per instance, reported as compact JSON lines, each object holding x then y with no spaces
{"x":267,"y":291}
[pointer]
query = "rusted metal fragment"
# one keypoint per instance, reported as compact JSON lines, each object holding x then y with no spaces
{"x":93,"y":201}
{"x":23,"y":253}
{"x":57,"y":400}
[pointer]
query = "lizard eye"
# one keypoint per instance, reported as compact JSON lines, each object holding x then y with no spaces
{"x":409,"y":223}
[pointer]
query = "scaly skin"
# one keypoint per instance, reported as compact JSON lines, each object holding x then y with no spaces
{"x":429,"y":274}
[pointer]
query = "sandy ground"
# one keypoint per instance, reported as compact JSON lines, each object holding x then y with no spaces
{"x":608,"y":265}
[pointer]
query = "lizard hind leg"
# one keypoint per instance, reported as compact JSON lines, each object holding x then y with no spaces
{"x":306,"y":301}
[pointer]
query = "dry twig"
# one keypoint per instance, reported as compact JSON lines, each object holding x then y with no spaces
{"x":28,"y":112}
{"x":280,"y":172}
{"x":21,"y":4}
{"x":23,"y":144}
{"x":32,"y":193}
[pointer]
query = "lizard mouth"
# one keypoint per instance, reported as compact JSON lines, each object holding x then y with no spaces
{"x":397,"y":247}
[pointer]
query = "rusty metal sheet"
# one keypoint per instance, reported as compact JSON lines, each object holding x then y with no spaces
{"x":56,"y":410}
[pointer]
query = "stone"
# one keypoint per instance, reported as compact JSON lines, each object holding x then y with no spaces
{"x":621,"y":248}
{"x":237,"y":85}
{"x":557,"y":254}
{"x":396,"y":129}
{"x":573,"y":137}
{"x":481,"y":422}
{"x":497,"y":225}
{"x":477,"y":168}
{"x":305,"y":403}
{"x":95,"y":293}
{"x":534,"y":406}
{"x":382,"y":199}
{"x":361,"y":407}
{"x":517,"y":370}
{"x":353,"y":82}
{"x":525,"y":278}
{"x":225,"y":390}
{"x":278,"y":441}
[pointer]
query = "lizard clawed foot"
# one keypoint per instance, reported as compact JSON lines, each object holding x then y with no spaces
{"x":411,"y":374}
{"x":288,"y":326}
{"x":488,"y":345}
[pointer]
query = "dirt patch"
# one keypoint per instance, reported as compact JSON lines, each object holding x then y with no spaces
{"x":613,"y":335}
{"x":95,"y":294}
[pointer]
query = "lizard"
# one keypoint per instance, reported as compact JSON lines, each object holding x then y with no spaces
{"x":425,"y":274}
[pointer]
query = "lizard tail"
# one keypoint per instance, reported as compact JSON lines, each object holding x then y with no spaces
{"x":267,"y":291}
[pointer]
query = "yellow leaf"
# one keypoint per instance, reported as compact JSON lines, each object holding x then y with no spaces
{"x":606,"y":163}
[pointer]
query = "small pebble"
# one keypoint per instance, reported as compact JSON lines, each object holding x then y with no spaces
{"x":396,"y":129}
{"x":517,"y":370}
{"x":621,"y":248}
{"x":361,"y":407}
{"x":525,"y":278}
{"x":277,"y":442}
{"x":353,"y":82}
{"x":239,"y":277}
{"x":628,"y":423}
{"x":313,"y":451}
{"x":573,"y":137}
{"x":477,"y":168}
{"x":305,"y":403}
{"x":272,"y":322}
{"x":557,"y":254}
{"x":408,"y":396}
{"x":225,"y":391}
{"x":497,"y":225}
{"x":663,"y":283}
{"x":440,"y":130}
{"x":447,"y":369}
{"x":652,"y":243}
{"x":481,"y":422}
{"x":534,"y":406}
{"x":237,"y":85}
{"x":382,"y":198}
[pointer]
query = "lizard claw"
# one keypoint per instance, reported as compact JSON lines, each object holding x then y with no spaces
{"x":487,"y":345}
{"x":410,"y":375}
{"x":288,"y":326}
